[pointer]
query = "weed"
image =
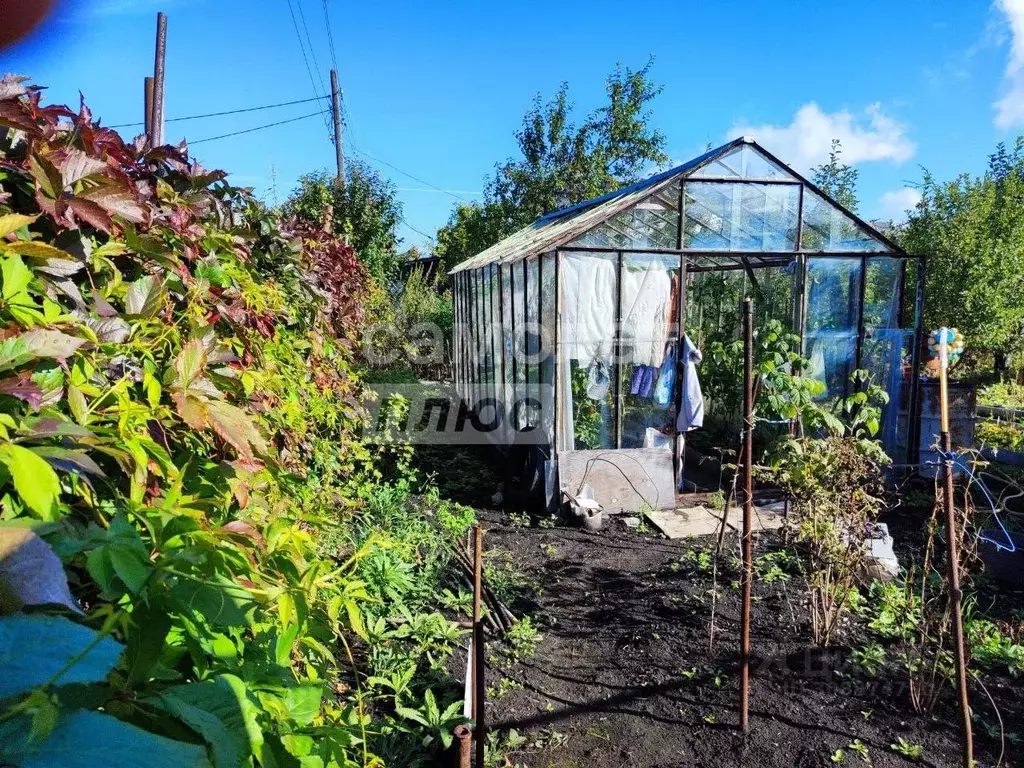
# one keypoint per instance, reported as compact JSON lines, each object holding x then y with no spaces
{"x":503,"y":689}
{"x":701,"y":560}
{"x":550,"y":550}
{"x":905,"y":748}
{"x":837,"y":756}
{"x":519,"y":519}
{"x":861,"y":749}
{"x":522,"y":638}
{"x":870,"y":657}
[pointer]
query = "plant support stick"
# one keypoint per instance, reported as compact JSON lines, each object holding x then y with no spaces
{"x":478,"y":646}
{"x":748,"y":508}
{"x":952,"y":545}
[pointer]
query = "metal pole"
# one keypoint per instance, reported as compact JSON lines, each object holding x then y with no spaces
{"x":336,"y":109}
{"x":479,"y":732}
{"x":157,"y":121}
{"x":748,"y":508}
{"x":463,"y":739}
{"x":953,"y":555}
{"x":148,"y":108}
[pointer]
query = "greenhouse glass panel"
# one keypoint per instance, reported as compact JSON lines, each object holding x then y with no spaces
{"x":588,"y":285}
{"x":547,"y":338}
{"x":493,"y":328}
{"x":652,"y":223}
{"x":518,"y":341}
{"x":826,"y":228}
{"x":741,"y":216}
{"x":507,"y":347}
{"x":833,"y":321}
{"x":887,"y":349}
{"x":532,"y":338}
{"x":649,"y":305}
{"x":744,"y":162}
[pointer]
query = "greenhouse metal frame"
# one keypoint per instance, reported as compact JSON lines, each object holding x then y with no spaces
{"x":556,"y":324}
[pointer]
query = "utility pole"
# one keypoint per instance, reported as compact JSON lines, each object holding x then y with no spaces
{"x":336,"y":109}
{"x":157,"y":123}
{"x":148,"y":106}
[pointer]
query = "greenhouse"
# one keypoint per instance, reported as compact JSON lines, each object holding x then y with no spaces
{"x":596,"y":342}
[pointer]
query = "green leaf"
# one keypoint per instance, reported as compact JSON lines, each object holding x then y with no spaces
{"x":12,"y":222}
{"x":84,"y":739}
{"x":145,"y":296}
{"x":189,"y":363}
{"x":16,"y":277}
{"x":35,"y":647}
{"x":303,"y":702}
{"x":34,"y":479}
{"x":55,"y":344}
{"x":223,"y":603}
{"x":14,"y":351}
{"x":130,"y":566}
{"x":219,"y":711}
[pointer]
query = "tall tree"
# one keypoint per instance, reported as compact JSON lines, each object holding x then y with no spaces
{"x":561,"y":163}
{"x":837,"y":178}
{"x":365,"y":209}
{"x":972,"y":231}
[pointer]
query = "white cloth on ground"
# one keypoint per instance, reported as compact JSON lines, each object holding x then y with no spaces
{"x":691,"y":415}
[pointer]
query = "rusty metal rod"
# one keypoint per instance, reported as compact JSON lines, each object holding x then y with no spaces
{"x":748,"y":509}
{"x":953,"y":556}
{"x":479,"y":731}
{"x":464,"y":746}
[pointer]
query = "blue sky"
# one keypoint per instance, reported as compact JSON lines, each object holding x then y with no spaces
{"x":437,"y":89}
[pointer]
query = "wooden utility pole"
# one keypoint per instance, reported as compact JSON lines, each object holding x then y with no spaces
{"x":336,"y":109}
{"x":157,"y":121}
{"x":748,"y":509}
{"x":148,"y":107}
{"x":952,"y":552}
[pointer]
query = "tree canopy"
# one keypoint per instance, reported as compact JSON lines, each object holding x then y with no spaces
{"x":972,"y":231}
{"x":837,"y":178}
{"x":365,"y":209}
{"x":561,"y":163}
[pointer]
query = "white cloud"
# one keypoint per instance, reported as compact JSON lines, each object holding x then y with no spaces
{"x":806,"y":141}
{"x":893,"y":205}
{"x":1010,"y":108}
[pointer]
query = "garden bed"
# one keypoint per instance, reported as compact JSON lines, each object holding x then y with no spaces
{"x":624,"y":674}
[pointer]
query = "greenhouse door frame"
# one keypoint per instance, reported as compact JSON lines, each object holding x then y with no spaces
{"x":689,"y":264}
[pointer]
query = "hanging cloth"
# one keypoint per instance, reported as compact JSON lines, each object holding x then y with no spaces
{"x":691,"y":415}
{"x":667,"y":379}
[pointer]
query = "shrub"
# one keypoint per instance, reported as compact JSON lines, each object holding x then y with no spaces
{"x":180,"y":454}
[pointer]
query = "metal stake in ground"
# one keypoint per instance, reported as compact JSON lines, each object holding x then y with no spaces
{"x":479,"y":733}
{"x":952,"y":551}
{"x":748,"y":508}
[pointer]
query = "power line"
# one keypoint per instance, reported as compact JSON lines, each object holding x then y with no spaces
{"x":257,"y":128}
{"x":229,"y":112}
{"x":417,"y":231}
{"x":330,"y":35}
{"x":305,"y":59}
{"x":414,"y":178}
{"x":312,"y":50}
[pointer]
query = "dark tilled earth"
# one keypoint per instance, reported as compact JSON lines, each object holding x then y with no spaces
{"x":627,"y":674}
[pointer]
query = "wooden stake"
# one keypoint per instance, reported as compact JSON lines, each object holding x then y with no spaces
{"x":953,"y":555}
{"x":479,"y":732}
{"x":748,"y":508}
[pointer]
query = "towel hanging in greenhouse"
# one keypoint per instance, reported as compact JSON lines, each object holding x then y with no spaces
{"x":691,"y":415}
{"x":646,"y":299}
{"x":588,"y":314}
